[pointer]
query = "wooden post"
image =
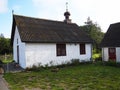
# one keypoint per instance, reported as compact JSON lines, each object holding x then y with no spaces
{"x":1,"y":70}
{"x":7,"y":67}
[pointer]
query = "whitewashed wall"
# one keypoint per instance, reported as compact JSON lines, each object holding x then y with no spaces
{"x":35,"y":53}
{"x":118,"y":54}
{"x":105,"y":55}
{"x":22,"y":61}
{"x":44,"y":53}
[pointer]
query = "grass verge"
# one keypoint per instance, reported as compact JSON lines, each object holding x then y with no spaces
{"x":79,"y":77}
{"x":6,"y":58}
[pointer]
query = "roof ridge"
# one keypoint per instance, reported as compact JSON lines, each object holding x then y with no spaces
{"x":41,"y":30}
{"x":112,"y":36}
{"x":115,"y":23}
{"x":42,"y":19}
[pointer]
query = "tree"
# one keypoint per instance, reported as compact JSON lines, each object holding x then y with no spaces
{"x":94,"y":31}
{"x":1,"y":35}
{"x":5,"y":45}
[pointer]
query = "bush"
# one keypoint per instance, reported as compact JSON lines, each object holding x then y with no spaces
{"x":7,"y":58}
{"x":110,"y":63}
{"x":97,"y":57}
{"x":38,"y":67}
{"x":75,"y":62}
{"x":1,"y":62}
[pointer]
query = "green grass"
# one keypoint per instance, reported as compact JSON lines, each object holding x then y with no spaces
{"x":79,"y":77}
{"x":6,"y":58}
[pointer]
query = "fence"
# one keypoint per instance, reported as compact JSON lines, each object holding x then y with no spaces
{"x":11,"y":67}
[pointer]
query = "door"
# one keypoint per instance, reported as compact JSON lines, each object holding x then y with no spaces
{"x":112,"y":54}
{"x":18,"y":54}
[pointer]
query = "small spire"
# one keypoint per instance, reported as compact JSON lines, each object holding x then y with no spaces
{"x":66,"y":6}
{"x":67,"y":14}
{"x":12,"y":12}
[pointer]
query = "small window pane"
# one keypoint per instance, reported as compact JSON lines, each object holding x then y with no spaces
{"x":82,"y":49}
{"x":61,"y":50}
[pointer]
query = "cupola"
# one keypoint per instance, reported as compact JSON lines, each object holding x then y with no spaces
{"x":67,"y":14}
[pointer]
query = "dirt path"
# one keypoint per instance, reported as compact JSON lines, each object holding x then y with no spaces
{"x":3,"y":85}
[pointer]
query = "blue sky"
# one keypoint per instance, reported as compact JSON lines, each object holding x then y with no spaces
{"x":21,"y":7}
{"x":104,"y":12}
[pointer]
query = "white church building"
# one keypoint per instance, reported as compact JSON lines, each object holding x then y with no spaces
{"x":40,"y":41}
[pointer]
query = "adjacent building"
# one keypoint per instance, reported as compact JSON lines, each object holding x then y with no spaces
{"x":111,"y":43}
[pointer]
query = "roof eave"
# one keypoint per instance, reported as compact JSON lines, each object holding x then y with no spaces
{"x":55,"y":42}
{"x":13,"y":31}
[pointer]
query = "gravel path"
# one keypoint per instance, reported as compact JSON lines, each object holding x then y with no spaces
{"x":3,"y":84}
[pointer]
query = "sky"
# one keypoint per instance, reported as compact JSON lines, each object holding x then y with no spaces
{"x":104,"y":12}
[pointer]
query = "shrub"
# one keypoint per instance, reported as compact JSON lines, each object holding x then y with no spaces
{"x":75,"y":62}
{"x":69,"y":63}
{"x":51,"y":65}
{"x":97,"y":57}
{"x":110,"y":63}
{"x":118,"y":64}
{"x":1,"y":62}
{"x":35,"y":67}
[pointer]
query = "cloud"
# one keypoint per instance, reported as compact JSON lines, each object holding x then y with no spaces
{"x":104,"y":12}
{"x":44,"y":3}
{"x":51,"y":9}
{"x":3,"y":6}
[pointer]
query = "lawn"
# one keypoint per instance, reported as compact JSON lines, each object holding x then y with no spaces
{"x":79,"y":77}
{"x":7,"y":58}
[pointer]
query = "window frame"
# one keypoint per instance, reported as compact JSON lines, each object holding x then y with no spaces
{"x":82,"y":48}
{"x":60,"y":49}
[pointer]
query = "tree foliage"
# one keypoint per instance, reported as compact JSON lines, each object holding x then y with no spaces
{"x":94,"y":31}
{"x":1,"y":35}
{"x":5,"y":45}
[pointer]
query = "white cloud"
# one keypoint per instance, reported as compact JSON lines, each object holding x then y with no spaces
{"x":51,"y":9}
{"x":3,"y":6}
{"x":104,"y":12}
{"x":44,"y":3}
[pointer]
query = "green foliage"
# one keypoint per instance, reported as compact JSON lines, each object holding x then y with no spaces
{"x":79,"y":77}
{"x":75,"y":62}
{"x":110,"y":63}
{"x":7,"y":58}
{"x":5,"y":45}
{"x":94,"y":31}
{"x":36,"y":68}
{"x":97,"y":56}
